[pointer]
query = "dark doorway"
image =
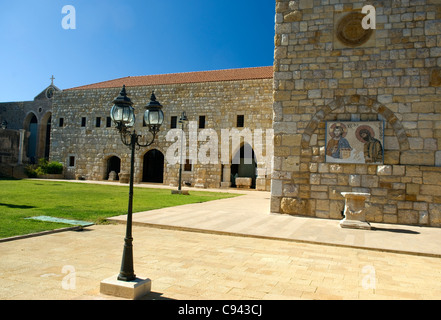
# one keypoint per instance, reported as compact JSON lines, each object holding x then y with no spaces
{"x":153,"y":168}
{"x":114,"y":164}
{"x":246,"y":167}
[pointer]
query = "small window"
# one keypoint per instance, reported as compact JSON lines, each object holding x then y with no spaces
{"x":108,"y":122}
{"x":98,"y":122}
{"x":240,"y":121}
{"x":187,"y":165}
{"x":61,"y":122}
{"x":201,"y":122}
{"x":173,"y":122}
{"x":72,"y":161}
{"x":83,"y":121}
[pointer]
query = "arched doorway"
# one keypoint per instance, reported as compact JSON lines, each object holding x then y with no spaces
{"x":32,"y":140}
{"x":153,"y":167}
{"x":113,"y":164}
{"x":244,"y":165}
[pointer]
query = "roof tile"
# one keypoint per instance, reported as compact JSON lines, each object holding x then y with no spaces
{"x":187,"y":77}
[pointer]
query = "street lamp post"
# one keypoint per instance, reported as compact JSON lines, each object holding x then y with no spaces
{"x":123,"y":115}
{"x":182,"y":121}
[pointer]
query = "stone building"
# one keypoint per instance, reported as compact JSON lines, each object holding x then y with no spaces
{"x":328,"y":67}
{"x":345,"y":82}
{"x":85,"y":140}
{"x":26,"y":136}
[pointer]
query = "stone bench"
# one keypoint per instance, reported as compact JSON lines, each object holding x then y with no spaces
{"x":244,"y":183}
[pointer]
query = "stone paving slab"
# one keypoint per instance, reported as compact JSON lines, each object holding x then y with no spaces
{"x":203,"y":266}
{"x":249,"y":215}
{"x":255,"y":255}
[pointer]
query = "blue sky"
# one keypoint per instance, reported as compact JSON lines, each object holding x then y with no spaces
{"x":117,"y":38}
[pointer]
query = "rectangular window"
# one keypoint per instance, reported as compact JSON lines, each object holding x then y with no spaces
{"x":108,"y":122}
{"x":83,"y":121}
{"x":201,"y":122}
{"x":187,"y":165}
{"x":240,"y":121}
{"x":98,"y":122}
{"x":72,"y":161}
{"x":61,"y":122}
{"x":173,"y":122}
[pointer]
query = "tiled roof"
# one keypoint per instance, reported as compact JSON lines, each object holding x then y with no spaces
{"x":187,"y":77}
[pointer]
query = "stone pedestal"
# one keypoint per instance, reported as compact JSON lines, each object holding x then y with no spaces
{"x":125,"y":289}
{"x":124,"y":177}
{"x":112,"y":176}
{"x":244,"y":183}
{"x":225,"y":184}
{"x":355,"y":211}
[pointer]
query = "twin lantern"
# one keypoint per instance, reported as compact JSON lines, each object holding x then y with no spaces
{"x":123,"y":114}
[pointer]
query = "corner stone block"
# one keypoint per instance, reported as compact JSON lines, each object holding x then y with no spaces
{"x":435,"y":215}
{"x":276,"y":188}
{"x":296,"y":206}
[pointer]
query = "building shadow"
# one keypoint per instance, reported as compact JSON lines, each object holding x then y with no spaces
{"x":395,"y":230}
{"x":15,"y":206}
{"x":155,"y":296}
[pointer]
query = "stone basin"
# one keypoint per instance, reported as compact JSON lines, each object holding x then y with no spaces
{"x":355,"y":211}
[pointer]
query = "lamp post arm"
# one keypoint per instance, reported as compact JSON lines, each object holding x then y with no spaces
{"x":126,"y":138}
{"x":140,"y":145}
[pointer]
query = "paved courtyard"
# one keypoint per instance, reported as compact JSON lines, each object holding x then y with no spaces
{"x":228,"y":264}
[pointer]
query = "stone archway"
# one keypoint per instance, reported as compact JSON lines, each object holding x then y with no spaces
{"x":244,"y":164}
{"x":153,"y":166}
{"x":374,"y":105}
{"x":113,"y":165}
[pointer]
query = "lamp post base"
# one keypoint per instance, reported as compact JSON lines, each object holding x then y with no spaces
{"x":134,"y":289}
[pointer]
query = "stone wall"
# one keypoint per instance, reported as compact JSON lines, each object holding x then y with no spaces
{"x":9,"y":146}
{"x":219,"y":102}
{"x":392,"y":75}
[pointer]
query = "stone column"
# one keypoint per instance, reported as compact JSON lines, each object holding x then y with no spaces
{"x":21,"y":146}
{"x":226,"y":176}
{"x":261,"y":177}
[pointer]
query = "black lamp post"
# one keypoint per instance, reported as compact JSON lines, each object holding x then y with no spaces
{"x":182,"y":121}
{"x":123,"y":115}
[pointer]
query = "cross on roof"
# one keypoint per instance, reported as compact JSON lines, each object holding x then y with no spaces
{"x":52,"y":80}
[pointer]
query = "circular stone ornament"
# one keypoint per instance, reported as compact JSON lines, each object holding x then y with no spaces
{"x":350,"y":30}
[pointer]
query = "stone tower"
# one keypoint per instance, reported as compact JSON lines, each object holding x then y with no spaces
{"x":330,"y":68}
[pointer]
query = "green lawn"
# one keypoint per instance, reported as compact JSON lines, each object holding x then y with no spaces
{"x":20,"y":199}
